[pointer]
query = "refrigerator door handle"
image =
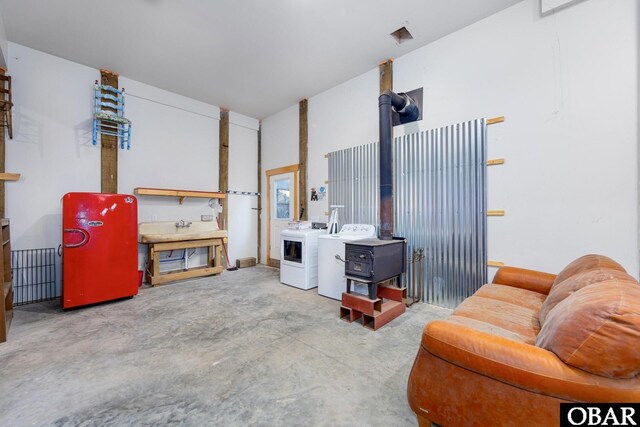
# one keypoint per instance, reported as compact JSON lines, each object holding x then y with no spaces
{"x":85,"y":237}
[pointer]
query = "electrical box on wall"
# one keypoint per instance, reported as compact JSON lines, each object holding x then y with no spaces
{"x":416,"y":95}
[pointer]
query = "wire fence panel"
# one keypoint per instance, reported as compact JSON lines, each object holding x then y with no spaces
{"x":34,"y":275}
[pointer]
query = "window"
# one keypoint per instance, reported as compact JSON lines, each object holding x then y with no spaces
{"x":283,"y":198}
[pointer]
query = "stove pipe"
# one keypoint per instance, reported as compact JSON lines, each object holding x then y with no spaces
{"x":408,"y":111}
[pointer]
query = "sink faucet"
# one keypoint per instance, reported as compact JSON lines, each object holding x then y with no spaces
{"x":182,"y":224}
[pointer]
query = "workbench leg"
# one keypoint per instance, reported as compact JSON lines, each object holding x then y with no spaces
{"x":149,"y":267}
{"x":218,"y":261}
{"x":210,"y":260}
{"x":156,"y":265}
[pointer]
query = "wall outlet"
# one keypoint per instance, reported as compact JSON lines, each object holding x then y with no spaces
{"x":206,"y":217}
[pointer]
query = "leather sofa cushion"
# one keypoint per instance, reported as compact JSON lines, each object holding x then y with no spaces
{"x":521,"y":297}
{"x":587,"y":262}
{"x":596,"y":329}
{"x":488,"y":328}
{"x":522,"y":321}
{"x":531,"y":280}
{"x":562,"y":290}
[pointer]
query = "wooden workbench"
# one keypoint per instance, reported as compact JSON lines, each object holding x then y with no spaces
{"x":214,"y":260}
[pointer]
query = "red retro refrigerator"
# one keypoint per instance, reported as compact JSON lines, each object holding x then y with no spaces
{"x":99,"y":248}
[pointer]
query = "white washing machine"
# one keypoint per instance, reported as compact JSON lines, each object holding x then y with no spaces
{"x":299,"y":257}
{"x":331,"y":281}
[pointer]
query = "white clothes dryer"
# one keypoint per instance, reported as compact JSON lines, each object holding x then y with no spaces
{"x":299,"y":257}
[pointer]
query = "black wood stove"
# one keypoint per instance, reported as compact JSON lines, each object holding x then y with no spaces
{"x":372,"y":261}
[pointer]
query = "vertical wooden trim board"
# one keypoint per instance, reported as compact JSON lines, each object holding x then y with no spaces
{"x":223,"y":158}
{"x":109,"y":146}
{"x":303,"y":150}
{"x":296,"y":195}
{"x":268,"y":260}
{"x":386,"y":75}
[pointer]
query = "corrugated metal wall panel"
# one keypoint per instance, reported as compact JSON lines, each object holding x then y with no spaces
{"x":439,"y":203}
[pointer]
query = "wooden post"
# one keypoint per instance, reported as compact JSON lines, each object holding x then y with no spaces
{"x":2,"y":165}
{"x":303,"y":149}
{"x":386,"y":75}
{"x":223,"y":177}
{"x":109,"y":149}
{"x":259,"y":190}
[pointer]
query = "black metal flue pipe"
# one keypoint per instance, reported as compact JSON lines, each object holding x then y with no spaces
{"x":405,"y":106}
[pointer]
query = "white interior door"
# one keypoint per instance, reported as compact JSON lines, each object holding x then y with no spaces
{"x":282,"y":196}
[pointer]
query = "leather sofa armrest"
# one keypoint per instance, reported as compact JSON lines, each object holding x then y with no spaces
{"x":522,"y":365}
{"x":531,"y":280}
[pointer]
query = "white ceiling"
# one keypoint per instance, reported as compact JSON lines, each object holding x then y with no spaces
{"x":255,"y":57}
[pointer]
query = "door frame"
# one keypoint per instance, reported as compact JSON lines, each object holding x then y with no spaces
{"x":296,"y":177}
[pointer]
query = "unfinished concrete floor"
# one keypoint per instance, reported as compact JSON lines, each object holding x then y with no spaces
{"x":237,"y":349}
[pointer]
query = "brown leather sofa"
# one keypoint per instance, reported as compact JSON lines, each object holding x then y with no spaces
{"x":517,"y":348}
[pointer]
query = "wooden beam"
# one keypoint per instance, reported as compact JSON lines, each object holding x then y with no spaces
{"x":109,"y":146}
{"x":495,"y":120}
{"x":186,"y":244}
{"x":303,"y":150}
{"x":494,"y":162}
{"x":259,"y":190}
{"x":386,"y":75}
{"x":2,"y":165}
{"x":497,"y":212}
{"x":223,"y":158}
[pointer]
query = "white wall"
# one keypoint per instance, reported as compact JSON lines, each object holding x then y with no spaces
{"x":174,"y":145}
{"x":335,"y":119}
{"x":280,"y":141}
{"x":243,"y":176}
{"x":569,"y":94}
{"x":568,"y":86}
{"x":51,"y":146}
{"x":4,"y":54}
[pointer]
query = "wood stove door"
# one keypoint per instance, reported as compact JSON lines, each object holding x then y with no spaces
{"x":359,"y":263}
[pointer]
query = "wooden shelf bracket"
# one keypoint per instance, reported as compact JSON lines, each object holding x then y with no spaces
{"x":495,"y":162}
{"x":494,"y":120}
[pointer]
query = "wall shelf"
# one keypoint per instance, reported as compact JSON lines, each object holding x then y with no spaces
{"x":9,"y":176}
{"x":181,"y":194}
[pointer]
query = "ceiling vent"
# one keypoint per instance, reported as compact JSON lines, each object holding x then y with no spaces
{"x":401,"y":35}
